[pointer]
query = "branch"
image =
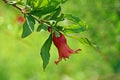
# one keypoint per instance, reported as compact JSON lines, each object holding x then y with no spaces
{"x":6,"y":1}
{"x":24,"y":11}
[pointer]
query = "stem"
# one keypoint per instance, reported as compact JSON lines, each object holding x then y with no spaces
{"x":17,"y":7}
{"x":24,"y":11}
{"x":6,"y":1}
{"x":39,"y":21}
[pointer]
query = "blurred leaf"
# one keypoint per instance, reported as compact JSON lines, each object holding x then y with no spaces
{"x":63,"y":1}
{"x":61,"y":18}
{"x":45,"y":51}
{"x":38,"y":3}
{"x":30,"y":3}
{"x":55,"y":2}
{"x":77,"y":26}
{"x":42,"y":26}
{"x":84,"y":41}
{"x":72,"y":18}
{"x":34,"y":3}
{"x":12,"y":2}
{"x":44,"y":3}
{"x":75,"y":30}
{"x":28,"y":26}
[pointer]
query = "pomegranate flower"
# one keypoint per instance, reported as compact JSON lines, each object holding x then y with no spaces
{"x":63,"y":48}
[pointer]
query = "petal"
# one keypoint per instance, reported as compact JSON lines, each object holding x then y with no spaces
{"x":64,"y":51}
{"x":58,"y":60}
{"x":72,"y":51}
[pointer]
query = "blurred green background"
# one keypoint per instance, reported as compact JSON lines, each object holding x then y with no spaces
{"x":20,"y":59}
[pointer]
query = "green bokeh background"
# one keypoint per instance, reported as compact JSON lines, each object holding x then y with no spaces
{"x":20,"y":58}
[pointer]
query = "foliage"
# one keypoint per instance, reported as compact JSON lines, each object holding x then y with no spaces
{"x":48,"y":14}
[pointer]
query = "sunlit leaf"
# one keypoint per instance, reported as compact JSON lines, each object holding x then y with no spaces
{"x":50,"y":6}
{"x":44,"y":3}
{"x":45,"y":51}
{"x":28,"y":26}
{"x":38,"y":3}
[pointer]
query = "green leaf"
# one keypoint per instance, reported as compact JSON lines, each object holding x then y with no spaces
{"x":63,"y":1}
{"x":30,"y":3}
{"x":51,"y":6}
{"x":42,"y":26}
{"x":45,"y":51}
{"x":84,"y":41}
{"x":57,"y":34}
{"x":44,"y":3}
{"x":75,"y":30}
{"x":38,"y":3}
{"x":72,"y":18}
{"x":77,"y":26}
{"x":55,"y":2}
{"x":28,"y":26}
{"x":56,"y":14}
{"x":43,"y":11}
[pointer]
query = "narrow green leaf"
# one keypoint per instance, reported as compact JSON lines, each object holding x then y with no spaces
{"x":49,"y":7}
{"x":74,"y":30}
{"x":54,"y":2}
{"x":28,"y":26}
{"x":84,"y":41}
{"x":43,"y":11}
{"x":61,"y":18}
{"x":72,"y":18}
{"x":45,"y":51}
{"x":63,"y":1}
{"x":38,"y":3}
{"x":56,"y":14}
{"x":44,"y":3}
{"x":42,"y":26}
{"x":30,"y":3}
{"x":77,"y":26}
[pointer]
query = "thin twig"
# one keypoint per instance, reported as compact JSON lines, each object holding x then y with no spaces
{"x":39,"y":21}
{"x":24,"y":11}
{"x":17,"y":7}
{"x":6,"y":1}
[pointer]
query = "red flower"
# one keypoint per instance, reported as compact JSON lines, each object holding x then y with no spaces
{"x":63,"y":48}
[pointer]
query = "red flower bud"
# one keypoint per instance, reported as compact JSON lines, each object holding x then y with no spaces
{"x":20,"y":19}
{"x":63,"y":48}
